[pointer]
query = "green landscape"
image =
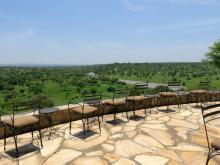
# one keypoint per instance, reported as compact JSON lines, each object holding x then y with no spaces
{"x":56,"y":85}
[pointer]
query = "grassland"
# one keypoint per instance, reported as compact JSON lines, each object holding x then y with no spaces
{"x":57,"y":85}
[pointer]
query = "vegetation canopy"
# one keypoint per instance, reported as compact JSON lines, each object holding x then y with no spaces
{"x":213,"y":55}
{"x":54,"y":86}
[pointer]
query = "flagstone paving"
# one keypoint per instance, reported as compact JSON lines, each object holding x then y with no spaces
{"x":173,"y":138}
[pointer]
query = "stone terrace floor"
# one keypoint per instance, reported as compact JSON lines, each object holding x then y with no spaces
{"x":162,"y":138}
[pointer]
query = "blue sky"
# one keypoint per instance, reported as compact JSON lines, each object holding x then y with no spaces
{"x":107,"y":31}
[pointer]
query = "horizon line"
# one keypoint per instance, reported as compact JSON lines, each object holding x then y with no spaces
{"x":44,"y":64}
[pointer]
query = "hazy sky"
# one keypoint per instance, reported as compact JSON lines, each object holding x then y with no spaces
{"x":106,"y":31}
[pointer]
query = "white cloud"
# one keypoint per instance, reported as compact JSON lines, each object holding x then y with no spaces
{"x":19,"y":35}
{"x":4,"y":16}
{"x":29,"y":31}
{"x":146,"y":5}
{"x":43,"y":50}
{"x":22,"y":28}
{"x":133,"y":6}
{"x":193,"y":2}
{"x":198,"y":25}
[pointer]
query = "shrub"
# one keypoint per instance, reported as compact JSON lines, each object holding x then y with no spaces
{"x":78,"y":90}
{"x":93,"y":91}
{"x":21,"y":90}
{"x":42,"y":99}
{"x":114,"y":80}
{"x":160,"y":88}
{"x":81,"y":84}
{"x":110,"y":89}
{"x":134,"y":92}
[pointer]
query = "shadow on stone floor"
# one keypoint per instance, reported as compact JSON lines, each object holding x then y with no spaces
{"x":196,"y":106}
{"x":167,"y":110}
{"x":23,"y":150}
{"x":115,"y":122}
{"x":87,"y":134}
{"x":136,"y":117}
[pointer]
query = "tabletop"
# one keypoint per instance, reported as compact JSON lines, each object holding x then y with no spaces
{"x":49,"y":110}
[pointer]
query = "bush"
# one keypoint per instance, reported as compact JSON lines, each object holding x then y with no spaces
{"x":160,"y":88}
{"x":81,"y":84}
{"x":42,"y":99}
{"x":36,"y":89}
{"x":110,"y":89}
{"x":114,"y":80}
{"x":11,"y":96}
{"x":21,"y":90}
{"x":103,"y":78}
{"x":78,"y":90}
{"x":1,"y":86}
{"x":92,"y":81}
{"x":121,"y":83}
{"x":5,"y":86}
{"x":93,"y":91}
{"x":134,"y":92}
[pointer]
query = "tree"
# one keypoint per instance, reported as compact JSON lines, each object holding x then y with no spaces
{"x":213,"y":55}
{"x":42,"y":99}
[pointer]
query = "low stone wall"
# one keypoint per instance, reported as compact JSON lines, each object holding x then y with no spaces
{"x":62,"y":115}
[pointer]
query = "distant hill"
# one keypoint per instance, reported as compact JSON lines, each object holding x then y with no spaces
{"x":36,"y":65}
